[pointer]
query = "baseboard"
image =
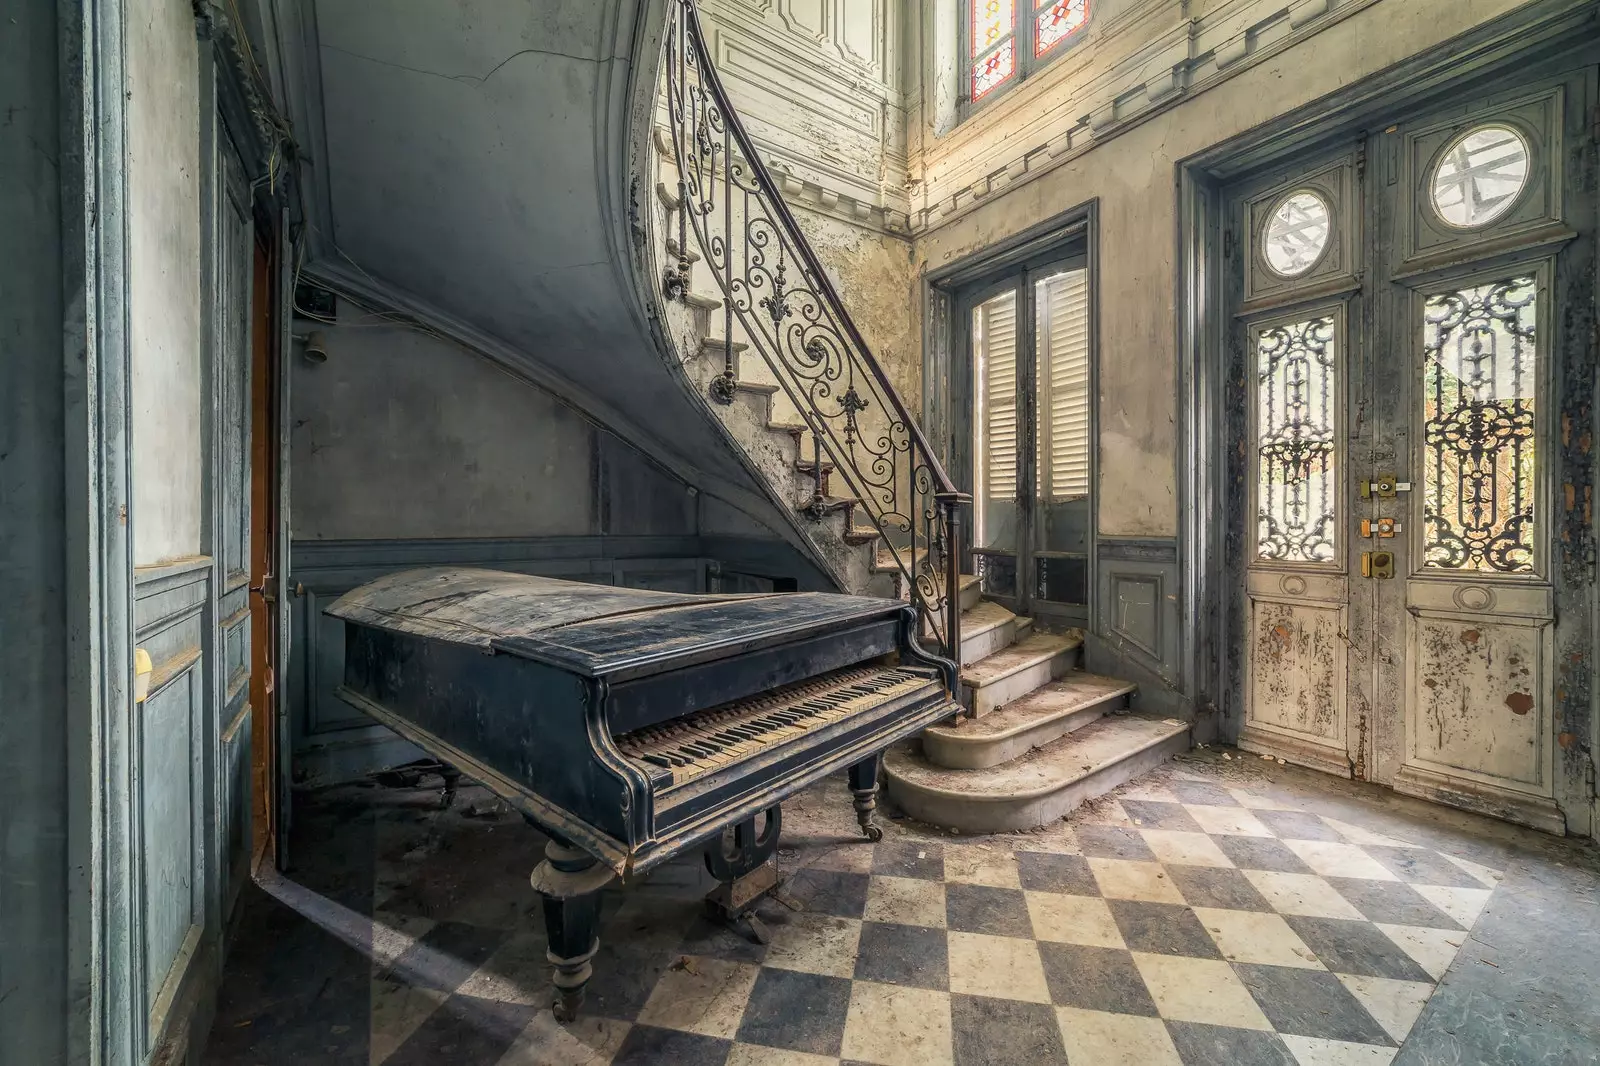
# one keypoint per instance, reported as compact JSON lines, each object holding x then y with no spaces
{"x":1519,"y":808}
{"x":1321,"y":757}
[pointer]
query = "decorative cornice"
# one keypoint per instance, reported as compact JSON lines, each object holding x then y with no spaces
{"x":1187,"y":58}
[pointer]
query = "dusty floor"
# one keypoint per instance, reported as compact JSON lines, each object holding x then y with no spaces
{"x":1216,"y":911}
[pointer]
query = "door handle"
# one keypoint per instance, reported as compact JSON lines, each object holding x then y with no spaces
{"x":265,"y":589}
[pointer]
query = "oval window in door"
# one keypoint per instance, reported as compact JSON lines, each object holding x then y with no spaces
{"x":1480,"y":175}
{"x":1296,"y":233}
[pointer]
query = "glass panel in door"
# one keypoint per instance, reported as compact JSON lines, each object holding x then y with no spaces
{"x":1062,"y":459}
{"x":997,"y":434}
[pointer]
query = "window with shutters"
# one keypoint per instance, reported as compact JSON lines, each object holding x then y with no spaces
{"x":994,"y":347}
{"x":1062,"y":460}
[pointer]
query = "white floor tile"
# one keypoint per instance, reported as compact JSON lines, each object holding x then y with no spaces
{"x":1127,"y":879}
{"x":701,"y":995}
{"x":1311,"y":1051}
{"x":1392,"y":1004}
{"x":897,"y":1026}
{"x":1433,"y":949}
{"x":1001,"y":967}
{"x":1185,"y":849}
{"x":1462,"y":904}
{"x":905,"y":901}
{"x":1303,"y":894}
{"x":1073,"y":920}
{"x":1199,"y":990}
{"x":1227,"y":821}
{"x":815,"y":943}
{"x":1332,"y":859}
{"x":1250,"y":936}
{"x":1103,"y":1039}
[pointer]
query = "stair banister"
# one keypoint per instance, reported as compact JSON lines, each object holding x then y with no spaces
{"x":830,"y":347}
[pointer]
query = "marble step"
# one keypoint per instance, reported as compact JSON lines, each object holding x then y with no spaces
{"x":988,"y":628}
{"x":1042,"y":785}
{"x":1039,"y":718}
{"x":1013,"y":672}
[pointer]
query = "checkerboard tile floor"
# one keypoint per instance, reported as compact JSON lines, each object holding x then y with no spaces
{"x":1181,"y":922}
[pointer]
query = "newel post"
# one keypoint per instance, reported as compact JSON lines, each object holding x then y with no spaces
{"x":950,"y":503}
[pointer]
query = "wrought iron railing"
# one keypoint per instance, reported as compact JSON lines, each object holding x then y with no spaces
{"x":774,"y":286}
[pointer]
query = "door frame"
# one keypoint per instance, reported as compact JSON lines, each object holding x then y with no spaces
{"x":1538,"y":39}
{"x":947,"y":360}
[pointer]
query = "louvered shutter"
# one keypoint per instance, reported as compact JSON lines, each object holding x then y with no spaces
{"x":1063,"y":341}
{"x":995,"y":344}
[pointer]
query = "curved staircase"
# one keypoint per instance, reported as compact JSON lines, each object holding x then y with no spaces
{"x":1040,"y":735}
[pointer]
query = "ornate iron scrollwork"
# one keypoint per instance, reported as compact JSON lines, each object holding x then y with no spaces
{"x":801,"y":330}
{"x":1479,"y":382}
{"x":1296,"y":393}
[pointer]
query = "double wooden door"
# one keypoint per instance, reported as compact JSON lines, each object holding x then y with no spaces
{"x":1411,"y":329}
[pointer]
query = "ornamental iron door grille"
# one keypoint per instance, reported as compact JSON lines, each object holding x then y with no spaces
{"x":1296,"y":469}
{"x":1480,"y":375}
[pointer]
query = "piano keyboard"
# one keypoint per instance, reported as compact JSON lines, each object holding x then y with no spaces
{"x":719,"y":736}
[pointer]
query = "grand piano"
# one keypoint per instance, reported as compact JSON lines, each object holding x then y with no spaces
{"x":633,"y":726}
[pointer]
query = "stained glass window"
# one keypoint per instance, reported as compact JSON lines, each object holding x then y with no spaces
{"x":1057,"y":22}
{"x":994,"y":57}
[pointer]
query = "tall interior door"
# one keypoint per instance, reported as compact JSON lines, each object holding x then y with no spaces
{"x":1031,"y":422}
{"x":1412,"y":320}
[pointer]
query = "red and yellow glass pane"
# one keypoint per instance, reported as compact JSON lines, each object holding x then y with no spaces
{"x":1058,"y":22}
{"x":992,"y":21}
{"x":992,"y":71}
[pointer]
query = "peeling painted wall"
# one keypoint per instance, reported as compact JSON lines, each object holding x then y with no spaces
{"x":1132,"y":175}
{"x":164,"y":280}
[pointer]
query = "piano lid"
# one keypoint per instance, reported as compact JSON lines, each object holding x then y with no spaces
{"x":591,"y":629}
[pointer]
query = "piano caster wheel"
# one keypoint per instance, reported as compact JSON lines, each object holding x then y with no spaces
{"x":566,"y":1004}
{"x":864,"y":790}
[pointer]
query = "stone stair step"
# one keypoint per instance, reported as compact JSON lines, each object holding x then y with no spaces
{"x":1013,"y":672}
{"x":1039,"y":718}
{"x":1041,"y":786}
{"x":971,"y":591}
{"x":985,"y":629}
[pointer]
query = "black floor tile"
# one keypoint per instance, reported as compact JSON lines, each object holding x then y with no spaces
{"x":1155,"y":814}
{"x":1104,"y":979}
{"x":1044,"y":871}
{"x":623,"y":979}
{"x":909,"y":858}
{"x":903,"y":955}
{"x":1297,"y":825}
{"x":447,"y":955}
{"x":1355,"y":948}
{"x":1421,"y":867}
{"x":1310,"y":1003}
{"x":1222,"y":1045}
{"x":988,"y":1032}
{"x":1202,"y":792}
{"x":465,"y":1030}
{"x":798,"y":1011}
{"x":982,"y":909}
{"x":1162,"y":929}
{"x":1261,"y":853}
{"x":646,"y":1045}
{"x":1206,"y":886}
{"x":1114,"y":842}
{"x":1391,"y":902}
{"x":843,"y":895}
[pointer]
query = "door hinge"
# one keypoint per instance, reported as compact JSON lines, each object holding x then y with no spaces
{"x":1227,"y":244}
{"x":1361,"y":162}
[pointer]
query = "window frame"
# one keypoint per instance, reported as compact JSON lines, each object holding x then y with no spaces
{"x":1025,"y":15}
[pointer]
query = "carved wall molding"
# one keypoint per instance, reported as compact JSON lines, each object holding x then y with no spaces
{"x":1100,"y":97}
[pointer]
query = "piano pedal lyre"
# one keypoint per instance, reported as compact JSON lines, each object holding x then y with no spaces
{"x":743,"y":859}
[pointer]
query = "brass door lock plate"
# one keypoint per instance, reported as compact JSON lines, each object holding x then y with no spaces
{"x":1384,"y":486}
{"x":1379,"y":565}
{"x":1379,"y":527}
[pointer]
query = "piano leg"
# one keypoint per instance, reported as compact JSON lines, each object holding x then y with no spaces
{"x":864,"y":787}
{"x":569,"y":882}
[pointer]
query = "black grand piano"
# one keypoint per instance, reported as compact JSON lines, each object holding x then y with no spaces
{"x":632,"y":726}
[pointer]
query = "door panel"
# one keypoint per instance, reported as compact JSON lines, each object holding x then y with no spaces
{"x":1401,"y":542}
